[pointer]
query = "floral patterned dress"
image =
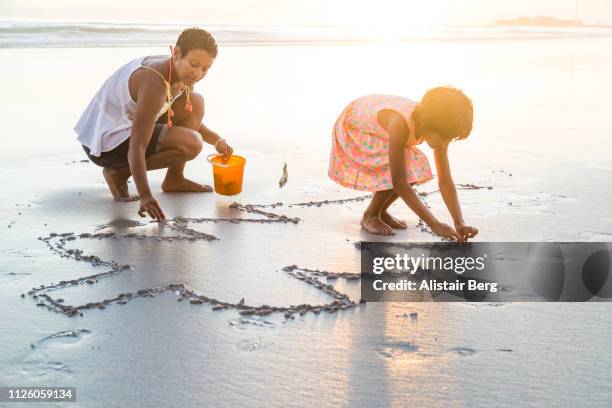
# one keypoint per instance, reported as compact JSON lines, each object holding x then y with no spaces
{"x":360,"y":147}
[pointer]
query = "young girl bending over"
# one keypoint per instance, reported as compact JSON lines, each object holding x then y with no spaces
{"x":374,"y":149}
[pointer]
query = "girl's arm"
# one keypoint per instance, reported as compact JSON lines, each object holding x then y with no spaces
{"x":398,"y":136}
{"x":447,"y":185}
{"x":449,"y":193}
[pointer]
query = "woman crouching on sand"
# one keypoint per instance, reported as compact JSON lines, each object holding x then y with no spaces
{"x":145,"y":117}
{"x":374,"y":149}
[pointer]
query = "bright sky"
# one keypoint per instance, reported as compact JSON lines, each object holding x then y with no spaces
{"x":289,"y":12}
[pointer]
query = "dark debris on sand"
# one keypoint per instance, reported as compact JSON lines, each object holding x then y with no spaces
{"x":327,"y":202}
{"x":271,"y":217}
{"x":469,"y":186}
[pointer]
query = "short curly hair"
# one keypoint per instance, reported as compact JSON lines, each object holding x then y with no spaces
{"x":447,"y":111}
{"x":196,"y":38}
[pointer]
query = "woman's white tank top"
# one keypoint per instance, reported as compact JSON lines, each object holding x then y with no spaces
{"x":107,"y":120}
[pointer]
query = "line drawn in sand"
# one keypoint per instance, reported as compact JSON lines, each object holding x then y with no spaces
{"x":56,"y":243}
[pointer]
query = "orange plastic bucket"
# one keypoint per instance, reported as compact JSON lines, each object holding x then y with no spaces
{"x":227,"y":174}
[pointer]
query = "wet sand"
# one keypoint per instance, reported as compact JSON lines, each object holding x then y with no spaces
{"x":258,"y":294}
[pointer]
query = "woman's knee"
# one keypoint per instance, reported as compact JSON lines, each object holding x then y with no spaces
{"x":189,"y":118}
{"x":192,"y":144}
{"x":186,"y":140}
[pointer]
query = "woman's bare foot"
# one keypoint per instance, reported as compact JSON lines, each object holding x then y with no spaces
{"x":117,"y":184}
{"x":184,"y":185}
{"x":392,"y":221}
{"x":375,"y":225}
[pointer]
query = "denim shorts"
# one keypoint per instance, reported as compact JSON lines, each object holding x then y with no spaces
{"x":118,"y":157}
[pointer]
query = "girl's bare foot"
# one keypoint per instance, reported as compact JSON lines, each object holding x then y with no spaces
{"x":117,"y":184}
{"x":184,"y":185}
{"x":392,"y":221}
{"x":375,"y":225}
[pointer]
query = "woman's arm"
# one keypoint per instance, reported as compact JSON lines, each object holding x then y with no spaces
{"x":214,"y":139}
{"x":208,"y":135}
{"x":150,"y":99}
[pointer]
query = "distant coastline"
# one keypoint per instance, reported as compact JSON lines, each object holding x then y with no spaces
{"x":57,"y":34}
{"x":544,"y":21}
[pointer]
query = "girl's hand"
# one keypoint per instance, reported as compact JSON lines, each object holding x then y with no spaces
{"x":466,"y":231}
{"x":223,"y":148}
{"x":446,"y":231}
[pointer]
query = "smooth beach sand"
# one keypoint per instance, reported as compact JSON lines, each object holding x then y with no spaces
{"x":541,"y":141}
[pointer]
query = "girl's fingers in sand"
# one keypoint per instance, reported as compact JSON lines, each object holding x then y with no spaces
{"x":457,"y":237}
{"x":467,"y":232}
{"x":446,"y":231}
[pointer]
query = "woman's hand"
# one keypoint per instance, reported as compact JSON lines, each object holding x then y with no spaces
{"x":466,"y":231}
{"x":223,"y":148}
{"x":446,"y":231}
{"x":149,"y":205}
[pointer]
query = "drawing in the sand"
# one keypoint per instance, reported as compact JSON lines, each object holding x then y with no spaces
{"x":57,"y":243}
{"x":44,"y":299}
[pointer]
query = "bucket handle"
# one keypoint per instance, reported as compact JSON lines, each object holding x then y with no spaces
{"x":209,"y":159}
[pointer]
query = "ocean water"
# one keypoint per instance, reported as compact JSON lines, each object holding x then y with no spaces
{"x":19,"y":34}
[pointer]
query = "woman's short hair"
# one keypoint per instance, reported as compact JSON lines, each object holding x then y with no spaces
{"x":196,"y":38}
